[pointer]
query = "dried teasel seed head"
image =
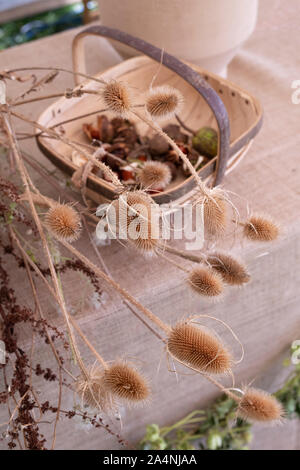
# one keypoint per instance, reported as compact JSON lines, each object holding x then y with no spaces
{"x":233,"y":272}
{"x":126,"y":383}
{"x":163,"y":102}
{"x":116,"y":98}
{"x":261,"y":228}
{"x":257,"y":405}
{"x":155,"y":175}
{"x":92,"y":391}
{"x":64,"y":222}
{"x":205,"y":281}
{"x":134,"y":216}
{"x":214,"y":212}
{"x":199,"y":349}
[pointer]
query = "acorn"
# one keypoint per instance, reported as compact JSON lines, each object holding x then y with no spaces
{"x":205,"y":141}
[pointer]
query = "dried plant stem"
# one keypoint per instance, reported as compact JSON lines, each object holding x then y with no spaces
{"x":202,"y":186}
{"x":38,"y":306}
{"x":22,"y":170}
{"x":188,"y":129}
{"x":156,"y":320}
{"x":184,"y":254}
{"x":141,"y":319}
{"x":179,"y":266}
{"x":87,"y":342}
{"x":220,"y":386}
{"x":56,"y":69}
{"x":72,"y":320}
{"x":28,"y":261}
{"x":99,"y":164}
{"x":75,"y":94}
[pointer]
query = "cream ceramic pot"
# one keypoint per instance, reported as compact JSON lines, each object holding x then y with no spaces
{"x":204,"y":32}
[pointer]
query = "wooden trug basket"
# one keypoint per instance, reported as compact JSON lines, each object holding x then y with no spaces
{"x":209,"y":101}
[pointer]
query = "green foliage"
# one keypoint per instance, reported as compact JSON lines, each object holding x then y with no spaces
{"x":289,"y":394}
{"x":217,"y":427}
{"x":38,"y":26}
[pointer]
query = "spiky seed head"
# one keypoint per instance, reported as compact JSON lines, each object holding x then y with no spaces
{"x":126,"y":383}
{"x":261,"y":228}
{"x":214,"y":207}
{"x":233,"y":272}
{"x":257,"y":405}
{"x":205,"y":281}
{"x":116,"y":98}
{"x":92,"y":391}
{"x":199,"y":349}
{"x":64,"y":222}
{"x":135,"y":218}
{"x":155,"y":175}
{"x":163,"y":102}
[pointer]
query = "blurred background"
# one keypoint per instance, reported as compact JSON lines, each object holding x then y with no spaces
{"x":25,"y":20}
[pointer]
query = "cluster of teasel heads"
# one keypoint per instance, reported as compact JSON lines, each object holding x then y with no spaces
{"x":194,"y":346}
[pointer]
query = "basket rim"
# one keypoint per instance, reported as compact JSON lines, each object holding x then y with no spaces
{"x":188,"y":183}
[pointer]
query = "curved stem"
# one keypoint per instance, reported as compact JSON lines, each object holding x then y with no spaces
{"x":183,"y":254}
{"x":203,"y":188}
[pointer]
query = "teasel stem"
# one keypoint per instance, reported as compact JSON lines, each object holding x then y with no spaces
{"x":72,"y":93}
{"x":156,"y":320}
{"x":202,"y":186}
{"x":151,"y":316}
{"x":99,"y":164}
{"x":188,"y":129}
{"x":51,"y":290}
{"x":22,"y":170}
{"x":179,"y":266}
{"x":220,"y":386}
{"x":90,"y":346}
{"x":183,"y":254}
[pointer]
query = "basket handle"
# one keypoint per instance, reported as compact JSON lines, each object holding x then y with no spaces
{"x":181,"y":69}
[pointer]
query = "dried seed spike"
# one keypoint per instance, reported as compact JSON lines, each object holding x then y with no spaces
{"x":64,"y":222}
{"x":199,"y":349}
{"x":135,"y":217}
{"x":261,"y":228}
{"x":116,"y":98}
{"x":205,"y":281}
{"x":258,"y":405}
{"x":92,"y":392}
{"x":233,"y":272}
{"x":155,"y":175}
{"x":163,"y":102}
{"x":126,"y":383}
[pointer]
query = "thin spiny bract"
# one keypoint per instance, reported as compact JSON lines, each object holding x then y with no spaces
{"x":199,"y":349}
{"x":64,"y":222}
{"x":258,"y":405}
{"x":126,"y":383}
{"x":116,"y":98}
{"x":154,"y":175}
{"x":163,"y":102}
{"x":205,"y":281}
{"x":261,"y":228}
{"x":134,"y":217}
{"x":233,"y":272}
{"x":92,"y":391}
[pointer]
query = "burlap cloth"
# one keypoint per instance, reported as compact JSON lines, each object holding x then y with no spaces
{"x":266,"y":313}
